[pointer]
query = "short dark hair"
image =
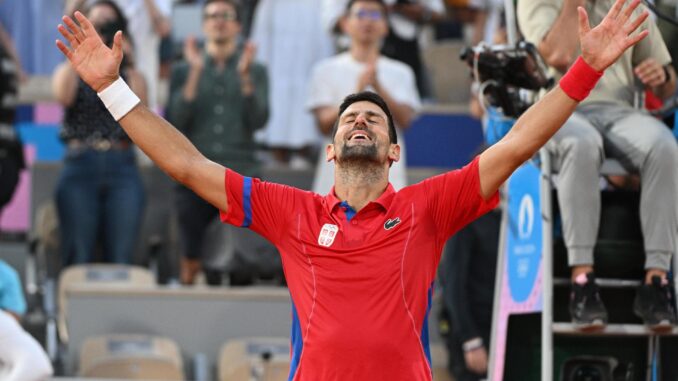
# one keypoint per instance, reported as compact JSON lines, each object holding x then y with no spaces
{"x":120,"y":16}
{"x":233,"y":3}
{"x":350,"y":3}
{"x":367,"y":96}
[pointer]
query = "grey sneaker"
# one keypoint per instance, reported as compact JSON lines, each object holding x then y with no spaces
{"x":587,"y":310}
{"x":653,"y":304}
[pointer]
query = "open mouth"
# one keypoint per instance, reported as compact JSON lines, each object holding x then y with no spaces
{"x":359,"y":136}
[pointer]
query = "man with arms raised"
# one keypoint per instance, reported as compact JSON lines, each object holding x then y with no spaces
{"x":359,"y":261}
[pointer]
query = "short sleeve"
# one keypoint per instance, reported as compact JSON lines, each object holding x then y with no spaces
{"x":454,"y":199}
{"x":536,"y":17}
{"x":11,"y":293}
{"x":260,"y":206}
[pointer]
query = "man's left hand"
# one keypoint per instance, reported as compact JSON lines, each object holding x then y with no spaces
{"x":604,"y":44}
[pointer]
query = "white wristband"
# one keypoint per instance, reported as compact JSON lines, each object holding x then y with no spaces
{"x":118,"y":98}
{"x":472,"y":344}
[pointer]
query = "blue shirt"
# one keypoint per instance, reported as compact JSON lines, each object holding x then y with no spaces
{"x":11,"y":294}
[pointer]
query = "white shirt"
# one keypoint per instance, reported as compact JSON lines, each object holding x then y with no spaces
{"x":405,"y":28}
{"x":290,"y":40}
{"x":335,"y":78}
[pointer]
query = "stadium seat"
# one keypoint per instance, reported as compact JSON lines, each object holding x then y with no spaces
{"x":255,"y":358}
{"x":131,"y":357}
{"x":97,"y":274}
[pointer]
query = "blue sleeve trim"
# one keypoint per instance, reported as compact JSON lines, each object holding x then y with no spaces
{"x":425,"y":342}
{"x":297,"y":342}
{"x":247,"y":201}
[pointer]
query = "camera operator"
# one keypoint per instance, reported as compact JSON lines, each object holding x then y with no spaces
{"x":607,"y":124}
{"x":99,"y":189}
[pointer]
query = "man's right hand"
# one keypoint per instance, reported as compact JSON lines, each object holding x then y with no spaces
{"x":95,"y":63}
{"x":192,"y":54}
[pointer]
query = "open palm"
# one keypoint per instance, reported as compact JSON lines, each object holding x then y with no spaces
{"x":96,"y":64}
{"x":602,"y":45}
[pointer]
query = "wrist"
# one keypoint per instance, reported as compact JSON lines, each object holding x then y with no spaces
{"x":579,"y":80}
{"x":118,"y":98}
{"x":473,"y":344}
{"x":105,"y":84}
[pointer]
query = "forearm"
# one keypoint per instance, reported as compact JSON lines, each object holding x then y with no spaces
{"x":190,"y":89}
{"x":532,"y":130}
{"x":64,"y":85}
{"x":559,"y":46}
{"x":325,"y":118}
{"x":254,"y":88}
{"x":161,"y":24}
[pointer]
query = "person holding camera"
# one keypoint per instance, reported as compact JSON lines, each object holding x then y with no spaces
{"x":608,"y":123}
{"x":99,"y":191}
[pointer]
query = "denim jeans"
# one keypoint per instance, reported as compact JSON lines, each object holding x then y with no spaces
{"x":100,"y":198}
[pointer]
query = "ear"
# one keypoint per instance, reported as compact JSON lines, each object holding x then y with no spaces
{"x":330,"y":154}
{"x":394,"y":153}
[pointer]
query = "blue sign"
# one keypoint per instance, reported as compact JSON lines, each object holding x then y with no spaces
{"x":524,"y":231}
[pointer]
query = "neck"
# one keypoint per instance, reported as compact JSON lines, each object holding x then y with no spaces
{"x":360,"y":183}
{"x":364,"y":52}
{"x":220,"y":51}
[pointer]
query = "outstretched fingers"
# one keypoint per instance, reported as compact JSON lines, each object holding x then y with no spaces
{"x":635,"y":24}
{"x":74,"y":28}
{"x":634,"y":39}
{"x":117,"y":45}
{"x":64,"y":49}
{"x":628,"y":11}
{"x":87,"y":27}
{"x":584,"y":26}
{"x":616,"y":9}
{"x":69,"y":36}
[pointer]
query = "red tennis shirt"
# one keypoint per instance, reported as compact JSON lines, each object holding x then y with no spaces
{"x":360,"y":283}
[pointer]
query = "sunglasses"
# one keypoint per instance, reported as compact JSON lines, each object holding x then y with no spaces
{"x":226,"y":16}
{"x":368,"y":14}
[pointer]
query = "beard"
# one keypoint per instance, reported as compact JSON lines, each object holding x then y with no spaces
{"x":359,"y":154}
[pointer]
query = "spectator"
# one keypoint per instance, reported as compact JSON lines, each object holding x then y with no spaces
{"x":9,"y":51}
{"x":362,"y":67}
{"x":467,"y":274}
{"x":607,"y":124}
{"x":21,"y":357}
{"x":11,"y":151}
{"x":218,"y":98}
{"x":406,"y":17}
{"x":148,"y":23}
{"x":99,"y":192}
{"x":290,"y":40}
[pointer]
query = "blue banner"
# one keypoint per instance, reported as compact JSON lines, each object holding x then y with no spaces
{"x":524,"y":233}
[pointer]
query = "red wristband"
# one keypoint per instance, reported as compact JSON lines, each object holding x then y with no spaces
{"x":579,"y":80}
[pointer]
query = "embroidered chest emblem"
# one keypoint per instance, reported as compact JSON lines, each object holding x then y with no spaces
{"x":391,"y":223}
{"x":327,"y":235}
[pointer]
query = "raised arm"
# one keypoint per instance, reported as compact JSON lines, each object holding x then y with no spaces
{"x":99,"y":67}
{"x":600,"y":46}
